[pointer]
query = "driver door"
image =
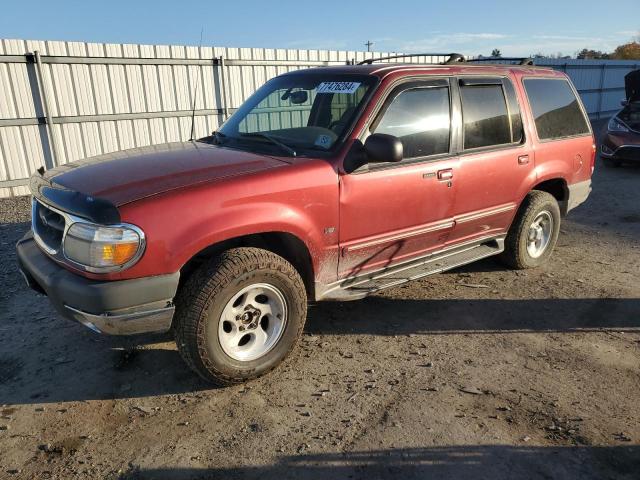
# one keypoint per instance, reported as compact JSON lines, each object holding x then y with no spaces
{"x":392,"y":212}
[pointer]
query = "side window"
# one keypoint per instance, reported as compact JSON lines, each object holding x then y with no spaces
{"x":517,"y":131}
{"x":420,"y":117}
{"x":484,"y":115}
{"x":555,"y":108}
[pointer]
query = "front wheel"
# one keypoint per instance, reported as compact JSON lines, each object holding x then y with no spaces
{"x":240,"y":315}
{"x":534,"y":232}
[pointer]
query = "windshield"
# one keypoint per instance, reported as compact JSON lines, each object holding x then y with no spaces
{"x":297,"y":113}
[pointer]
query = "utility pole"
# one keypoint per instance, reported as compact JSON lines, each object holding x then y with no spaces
{"x":369,"y":44}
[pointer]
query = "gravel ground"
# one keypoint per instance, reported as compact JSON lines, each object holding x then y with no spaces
{"x":482,"y":372}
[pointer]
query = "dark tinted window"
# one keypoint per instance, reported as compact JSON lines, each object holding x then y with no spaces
{"x":485,"y":117}
{"x":517,"y":132}
{"x":420,"y":118}
{"x":555,"y":108}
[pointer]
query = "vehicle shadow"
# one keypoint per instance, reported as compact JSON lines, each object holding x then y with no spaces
{"x":94,"y":370}
{"x":377,"y":315}
{"x":496,"y":462}
{"x":99,"y":367}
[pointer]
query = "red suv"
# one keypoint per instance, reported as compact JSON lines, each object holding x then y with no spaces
{"x":327,"y":183}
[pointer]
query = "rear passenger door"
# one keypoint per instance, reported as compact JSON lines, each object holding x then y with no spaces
{"x":495,"y":161}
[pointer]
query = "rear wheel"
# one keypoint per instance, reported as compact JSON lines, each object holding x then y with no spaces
{"x":240,"y":315}
{"x":534,"y":232}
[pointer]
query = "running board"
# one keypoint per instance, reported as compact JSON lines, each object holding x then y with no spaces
{"x":359,"y":287}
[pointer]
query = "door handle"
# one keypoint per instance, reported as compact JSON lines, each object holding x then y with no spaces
{"x":523,"y":159}
{"x":446,"y":174}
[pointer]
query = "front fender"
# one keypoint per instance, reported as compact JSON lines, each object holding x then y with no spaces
{"x":300,"y":200}
{"x":242,"y":220}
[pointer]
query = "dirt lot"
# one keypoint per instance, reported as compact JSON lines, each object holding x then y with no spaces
{"x":478,"y":373}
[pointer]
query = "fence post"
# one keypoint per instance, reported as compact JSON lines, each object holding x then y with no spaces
{"x":223,"y":87}
{"x":603,"y":68}
{"x":46,"y":108}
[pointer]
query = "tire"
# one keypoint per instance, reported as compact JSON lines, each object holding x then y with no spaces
{"x":202,"y":334}
{"x":537,"y":205}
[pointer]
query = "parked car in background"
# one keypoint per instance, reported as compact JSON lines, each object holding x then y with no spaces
{"x":326,"y":184}
{"x":621,"y":142}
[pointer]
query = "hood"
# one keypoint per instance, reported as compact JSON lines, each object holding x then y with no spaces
{"x":123,"y":177}
{"x":632,"y":86}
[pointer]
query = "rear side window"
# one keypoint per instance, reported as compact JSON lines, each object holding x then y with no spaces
{"x":555,"y":108}
{"x":420,"y":117}
{"x":485,"y":115}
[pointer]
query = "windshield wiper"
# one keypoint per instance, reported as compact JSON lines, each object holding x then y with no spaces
{"x":280,"y":144}
{"x":215,"y":138}
{"x":219,"y":137}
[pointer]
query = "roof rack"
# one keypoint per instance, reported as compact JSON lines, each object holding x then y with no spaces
{"x":499,"y":60}
{"x":451,"y":58}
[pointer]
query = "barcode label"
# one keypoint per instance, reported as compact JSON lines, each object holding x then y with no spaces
{"x":338,"y":87}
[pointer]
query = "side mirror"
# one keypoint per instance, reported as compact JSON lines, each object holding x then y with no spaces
{"x":381,"y":147}
{"x":624,"y":103}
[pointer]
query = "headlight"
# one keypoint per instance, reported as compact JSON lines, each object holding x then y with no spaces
{"x":103,"y":249}
{"x":616,"y":125}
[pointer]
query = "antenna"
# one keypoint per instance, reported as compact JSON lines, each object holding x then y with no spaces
{"x":195,"y":93}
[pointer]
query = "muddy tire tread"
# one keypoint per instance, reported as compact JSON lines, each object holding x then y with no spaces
{"x":515,"y":252}
{"x":199,"y":292}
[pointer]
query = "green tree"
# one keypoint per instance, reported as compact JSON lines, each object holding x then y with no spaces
{"x":496,"y":53}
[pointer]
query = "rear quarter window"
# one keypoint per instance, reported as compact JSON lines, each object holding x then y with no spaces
{"x":555,"y":108}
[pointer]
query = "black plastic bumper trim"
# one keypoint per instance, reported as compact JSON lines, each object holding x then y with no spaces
{"x":92,"y":296}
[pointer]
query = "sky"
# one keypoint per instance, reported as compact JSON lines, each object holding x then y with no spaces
{"x":471,"y":27}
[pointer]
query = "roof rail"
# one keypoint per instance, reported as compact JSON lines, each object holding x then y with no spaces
{"x":452,"y":57}
{"x":499,"y":60}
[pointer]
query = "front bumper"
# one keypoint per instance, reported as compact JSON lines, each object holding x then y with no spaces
{"x":624,"y":147}
{"x":624,"y":153}
{"x":123,"y":307}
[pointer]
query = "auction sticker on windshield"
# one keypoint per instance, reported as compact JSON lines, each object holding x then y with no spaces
{"x":337,"y":87}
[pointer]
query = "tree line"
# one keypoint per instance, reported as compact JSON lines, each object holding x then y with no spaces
{"x":627,"y":51}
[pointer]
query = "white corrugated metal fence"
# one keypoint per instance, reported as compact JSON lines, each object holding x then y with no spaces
{"x":62,"y":101}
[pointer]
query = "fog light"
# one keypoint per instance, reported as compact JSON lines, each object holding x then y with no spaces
{"x":606,"y":150}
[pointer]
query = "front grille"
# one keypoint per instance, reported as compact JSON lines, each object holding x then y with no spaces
{"x":48,"y":227}
{"x":628,"y":153}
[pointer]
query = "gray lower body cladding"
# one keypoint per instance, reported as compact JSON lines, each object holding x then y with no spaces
{"x":578,"y":194}
{"x":121,"y":307}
